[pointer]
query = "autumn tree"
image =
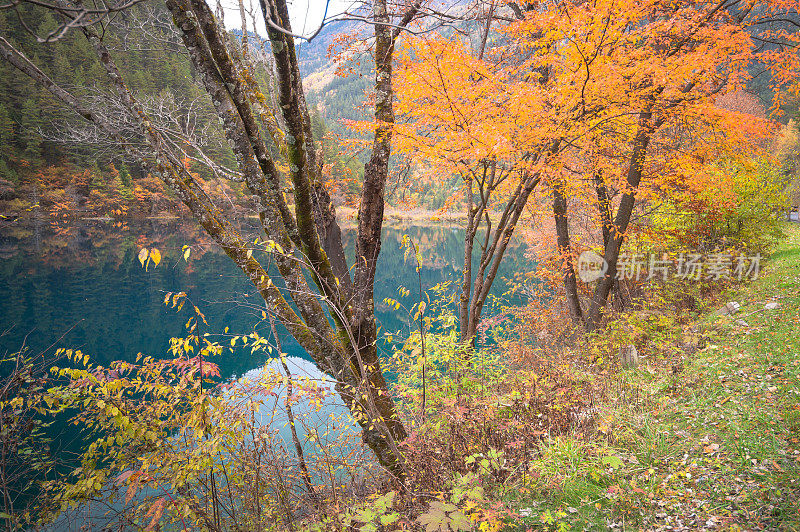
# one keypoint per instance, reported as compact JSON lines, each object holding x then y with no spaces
{"x":664,"y":64}
{"x":585,"y":96}
{"x":462,"y":116}
{"x":326,"y":304}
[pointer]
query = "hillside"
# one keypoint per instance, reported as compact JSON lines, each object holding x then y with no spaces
{"x":709,"y":442}
{"x":52,"y":164}
{"x":336,"y":97}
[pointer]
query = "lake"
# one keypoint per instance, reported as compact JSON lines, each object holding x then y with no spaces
{"x":81,"y":286}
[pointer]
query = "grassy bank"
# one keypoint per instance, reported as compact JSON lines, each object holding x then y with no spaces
{"x":712,"y":443}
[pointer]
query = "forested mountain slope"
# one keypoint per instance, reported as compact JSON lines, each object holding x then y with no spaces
{"x":51,"y":164}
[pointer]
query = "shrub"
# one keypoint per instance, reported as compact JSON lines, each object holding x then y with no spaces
{"x":730,"y":204}
{"x":466,"y":405}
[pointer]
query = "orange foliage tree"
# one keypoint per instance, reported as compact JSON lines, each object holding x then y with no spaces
{"x":604,"y":101}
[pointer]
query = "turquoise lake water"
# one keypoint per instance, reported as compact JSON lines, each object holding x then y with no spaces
{"x":81,"y":286}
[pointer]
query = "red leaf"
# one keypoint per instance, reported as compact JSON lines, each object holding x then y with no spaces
{"x":156,"y":511}
{"x":122,"y":477}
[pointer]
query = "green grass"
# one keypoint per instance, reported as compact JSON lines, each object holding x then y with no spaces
{"x":715,"y":445}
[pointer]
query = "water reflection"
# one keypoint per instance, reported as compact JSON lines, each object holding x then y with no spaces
{"x":82,"y":286}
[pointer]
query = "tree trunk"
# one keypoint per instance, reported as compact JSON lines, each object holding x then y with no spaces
{"x":617,"y":230}
{"x":493,"y":250}
{"x":466,"y":279}
{"x":565,"y":253}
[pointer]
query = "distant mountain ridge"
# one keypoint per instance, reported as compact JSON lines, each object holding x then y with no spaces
{"x":336,"y":98}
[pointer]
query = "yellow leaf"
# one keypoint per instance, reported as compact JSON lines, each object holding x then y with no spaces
{"x":155,"y":256}
{"x":143,"y":255}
